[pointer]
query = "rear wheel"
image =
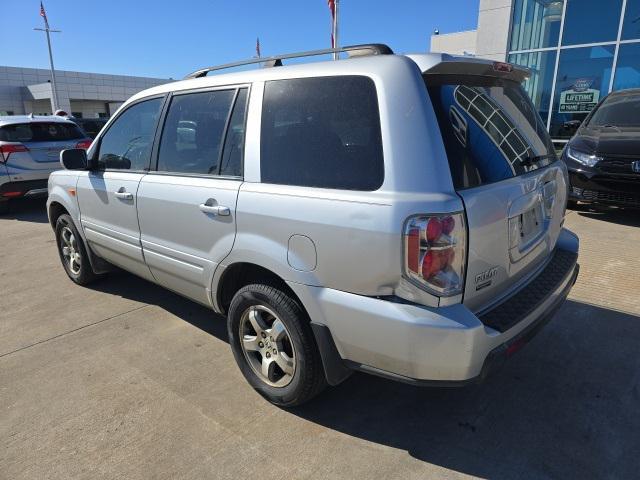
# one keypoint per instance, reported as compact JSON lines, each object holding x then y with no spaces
{"x":274,"y":347}
{"x":4,"y":207}
{"x":72,"y":251}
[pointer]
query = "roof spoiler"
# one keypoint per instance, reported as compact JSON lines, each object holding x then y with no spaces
{"x":455,"y":65}
{"x":276,"y":60}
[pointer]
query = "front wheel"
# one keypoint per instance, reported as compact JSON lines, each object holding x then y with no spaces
{"x":72,"y":251}
{"x":274,"y":347}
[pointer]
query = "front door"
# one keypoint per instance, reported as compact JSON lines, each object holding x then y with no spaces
{"x":107,"y":194}
{"x":187,"y":206}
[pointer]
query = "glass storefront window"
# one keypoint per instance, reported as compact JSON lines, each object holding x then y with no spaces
{"x":628,"y":67}
{"x":536,"y":24}
{"x":582,"y":80}
{"x":538,"y":86}
{"x":631,"y":25}
{"x":591,"y":21}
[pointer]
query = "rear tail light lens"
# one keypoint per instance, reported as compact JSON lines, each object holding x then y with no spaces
{"x":84,"y":144}
{"x":435,"y":249}
{"x":9,"y":148}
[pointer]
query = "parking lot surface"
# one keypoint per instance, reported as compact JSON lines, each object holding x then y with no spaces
{"x":127,"y":380}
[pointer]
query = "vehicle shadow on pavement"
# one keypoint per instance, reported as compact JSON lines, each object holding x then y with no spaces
{"x":564,"y":407}
{"x":126,"y":285}
{"x":27,"y":210}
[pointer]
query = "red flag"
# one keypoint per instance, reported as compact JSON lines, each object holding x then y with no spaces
{"x":258,"y":47}
{"x":332,"y":9}
{"x":43,"y":14}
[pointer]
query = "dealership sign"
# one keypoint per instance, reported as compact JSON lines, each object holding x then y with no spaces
{"x":580,"y":98}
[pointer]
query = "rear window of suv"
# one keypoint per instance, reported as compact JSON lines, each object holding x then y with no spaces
{"x":40,"y":132}
{"x":490,"y":128}
{"x":322,"y":132}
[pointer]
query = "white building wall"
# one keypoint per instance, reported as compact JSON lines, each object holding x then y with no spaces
{"x":494,"y":23}
{"x":458,"y":43}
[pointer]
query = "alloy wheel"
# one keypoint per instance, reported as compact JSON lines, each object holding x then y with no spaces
{"x":267,"y":346}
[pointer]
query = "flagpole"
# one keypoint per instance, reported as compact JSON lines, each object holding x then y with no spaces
{"x":47,"y":30}
{"x":335,"y":29}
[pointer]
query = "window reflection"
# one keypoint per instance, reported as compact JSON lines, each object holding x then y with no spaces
{"x":591,"y":21}
{"x":628,"y":67}
{"x":631,"y":26}
{"x":536,"y":24}
{"x":488,"y":115}
{"x":582,"y":80}
{"x":539,"y":84}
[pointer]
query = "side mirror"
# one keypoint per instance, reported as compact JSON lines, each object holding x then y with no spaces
{"x":74,"y":159}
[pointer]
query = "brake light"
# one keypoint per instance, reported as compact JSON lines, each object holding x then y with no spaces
{"x":502,"y":67}
{"x":85,"y":144}
{"x":435,"y":249}
{"x":9,"y":148}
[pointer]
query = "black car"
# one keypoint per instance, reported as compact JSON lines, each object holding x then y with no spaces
{"x":603,"y":158}
{"x":90,"y":126}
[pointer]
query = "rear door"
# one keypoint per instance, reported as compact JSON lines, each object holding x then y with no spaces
{"x":505,"y":169}
{"x":187,"y":206}
{"x":107,"y":194}
{"x":44,"y":142}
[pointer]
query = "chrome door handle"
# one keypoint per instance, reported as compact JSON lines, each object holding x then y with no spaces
{"x":215,"y":210}
{"x":123,"y":195}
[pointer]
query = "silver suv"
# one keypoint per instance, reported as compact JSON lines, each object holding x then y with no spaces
{"x":399,"y":215}
{"x":30,"y":149}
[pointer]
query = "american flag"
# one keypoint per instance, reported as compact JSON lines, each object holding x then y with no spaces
{"x":258,"y":47}
{"x":43,"y":14}
{"x":332,"y":9}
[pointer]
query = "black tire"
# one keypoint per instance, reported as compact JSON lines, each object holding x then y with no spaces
{"x":308,"y":378}
{"x":4,"y":207}
{"x":84,"y":274}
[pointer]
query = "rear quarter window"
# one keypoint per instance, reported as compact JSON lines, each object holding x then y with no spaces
{"x":40,"y":132}
{"x":322,"y":132}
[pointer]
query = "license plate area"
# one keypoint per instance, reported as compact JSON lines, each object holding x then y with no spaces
{"x":526,"y":230}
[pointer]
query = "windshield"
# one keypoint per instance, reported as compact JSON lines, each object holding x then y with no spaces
{"x":40,"y":132}
{"x":622,"y":110}
{"x":490,"y":128}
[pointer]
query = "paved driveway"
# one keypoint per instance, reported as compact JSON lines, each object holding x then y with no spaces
{"x":126,"y":380}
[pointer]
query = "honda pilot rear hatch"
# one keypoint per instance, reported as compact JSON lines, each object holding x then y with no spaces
{"x":504,"y":168}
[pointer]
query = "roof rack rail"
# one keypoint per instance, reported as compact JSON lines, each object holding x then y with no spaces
{"x":276,"y":60}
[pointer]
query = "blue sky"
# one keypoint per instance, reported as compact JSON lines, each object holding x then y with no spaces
{"x":170,"y":39}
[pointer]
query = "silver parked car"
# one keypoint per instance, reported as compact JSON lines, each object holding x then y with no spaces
{"x":30,"y":149}
{"x":397,"y":215}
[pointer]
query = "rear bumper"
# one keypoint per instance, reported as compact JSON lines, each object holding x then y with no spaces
{"x":599,"y":188}
{"x":446,"y":346}
{"x":27,"y":188}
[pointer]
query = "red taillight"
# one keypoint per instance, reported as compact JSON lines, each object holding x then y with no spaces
{"x":435,"y":248}
{"x":12,"y":194}
{"x":9,"y":148}
{"x":434,"y":229}
{"x":84,"y":144}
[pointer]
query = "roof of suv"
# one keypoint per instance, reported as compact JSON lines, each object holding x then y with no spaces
{"x":359,"y":65}
{"x":13,"y":119}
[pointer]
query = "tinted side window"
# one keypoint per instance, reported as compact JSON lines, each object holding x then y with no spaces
{"x":40,"y":132}
{"x":127,"y":143}
{"x":193,"y":132}
{"x":322,"y":132}
{"x":234,"y":142}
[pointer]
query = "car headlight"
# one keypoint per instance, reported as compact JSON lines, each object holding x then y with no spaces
{"x":583,"y":158}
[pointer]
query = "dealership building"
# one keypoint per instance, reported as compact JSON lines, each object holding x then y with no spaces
{"x":85,"y":95}
{"x":577,"y":50}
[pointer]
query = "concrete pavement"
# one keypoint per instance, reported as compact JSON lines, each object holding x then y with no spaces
{"x":127,"y":380}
